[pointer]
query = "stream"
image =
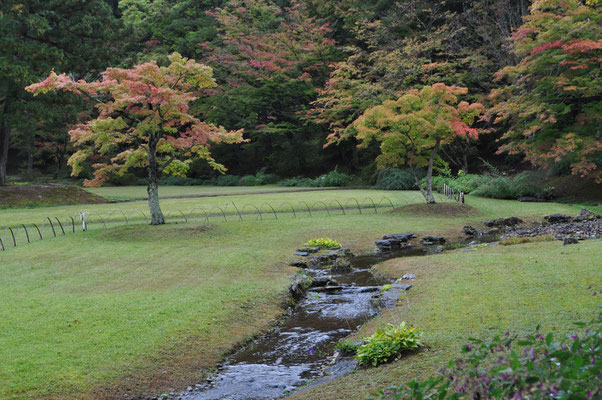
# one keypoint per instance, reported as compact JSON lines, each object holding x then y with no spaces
{"x":295,"y":355}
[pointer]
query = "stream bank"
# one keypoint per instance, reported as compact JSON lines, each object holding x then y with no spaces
{"x":334,"y":296}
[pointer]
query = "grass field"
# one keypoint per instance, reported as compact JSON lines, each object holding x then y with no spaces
{"x":139,"y":192}
{"x":459,"y":294}
{"x":146,"y":308}
{"x":245,"y":202}
{"x":173,"y":208}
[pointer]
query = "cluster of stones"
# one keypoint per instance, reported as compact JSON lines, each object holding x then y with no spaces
{"x":570,"y":230}
{"x":337,"y":259}
{"x":388,"y":298}
{"x":398,"y":241}
{"x":495,"y":227}
{"x":394,"y":241}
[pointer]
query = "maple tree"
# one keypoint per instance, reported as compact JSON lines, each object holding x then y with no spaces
{"x":412,"y":128}
{"x":551,"y":101}
{"x":143,"y":121}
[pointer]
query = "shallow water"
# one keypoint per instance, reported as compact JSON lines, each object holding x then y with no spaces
{"x":296,"y":353}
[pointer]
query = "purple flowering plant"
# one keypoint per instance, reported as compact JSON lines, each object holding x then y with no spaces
{"x":508,"y":367}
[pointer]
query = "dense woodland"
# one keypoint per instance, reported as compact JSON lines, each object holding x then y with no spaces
{"x":304,"y":80}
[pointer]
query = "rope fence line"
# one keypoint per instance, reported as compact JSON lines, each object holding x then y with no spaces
{"x":83,"y":221}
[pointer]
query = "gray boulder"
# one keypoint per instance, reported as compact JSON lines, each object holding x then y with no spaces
{"x":557,"y":218}
{"x":503,"y":222}
{"x":298,"y":263}
{"x":340,"y":265}
{"x":470,"y":231}
{"x":569,"y":240}
{"x":430,"y":240}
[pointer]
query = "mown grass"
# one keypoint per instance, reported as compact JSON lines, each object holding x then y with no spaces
{"x":173,"y":208}
{"x":147,"y":308}
{"x":479,"y":293}
{"x":139,"y":192}
{"x":245,"y":203}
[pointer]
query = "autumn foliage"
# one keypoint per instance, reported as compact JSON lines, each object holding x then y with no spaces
{"x":550,"y":103}
{"x":143,"y":120}
{"x":412,"y":129}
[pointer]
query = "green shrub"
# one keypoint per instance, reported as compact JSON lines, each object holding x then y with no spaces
{"x":227,"y":180}
{"x":397,"y":179}
{"x":387,"y":343}
{"x":266,"y":179}
{"x":522,"y":185}
{"x":525,"y":184}
{"x":346,"y":347}
{"x":333,"y":178}
{"x":508,"y":367}
{"x":249,"y":180}
{"x":172,"y":181}
{"x":323,"y":243}
{"x":466,"y":183}
{"x":297,"y":181}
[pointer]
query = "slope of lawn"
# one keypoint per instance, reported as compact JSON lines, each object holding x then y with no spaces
{"x":139,"y":192}
{"x":87,"y":315}
{"x":244,"y":202}
{"x":481,"y":293}
{"x":12,"y":196}
{"x":249,"y":203}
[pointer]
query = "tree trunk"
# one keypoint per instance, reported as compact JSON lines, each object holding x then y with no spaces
{"x":4,"y":139}
{"x":430,"y":199}
{"x":153,"y":188}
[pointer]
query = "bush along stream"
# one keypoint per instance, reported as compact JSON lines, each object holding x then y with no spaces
{"x":336,"y":293}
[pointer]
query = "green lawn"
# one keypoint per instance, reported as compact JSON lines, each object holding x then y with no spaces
{"x":244,"y":202}
{"x":197,"y":207}
{"x":139,"y":192}
{"x":88,"y":314}
{"x":460,"y":294}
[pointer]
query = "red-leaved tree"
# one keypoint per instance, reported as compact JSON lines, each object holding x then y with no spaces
{"x":143,"y":121}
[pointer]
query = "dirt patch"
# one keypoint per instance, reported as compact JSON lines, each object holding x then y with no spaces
{"x":46,"y":195}
{"x":438,"y":209}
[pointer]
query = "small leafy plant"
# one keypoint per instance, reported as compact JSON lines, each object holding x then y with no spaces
{"x":386,"y":287}
{"x":346,"y":347}
{"x":323,"y":243}
{"x":387,"y":343}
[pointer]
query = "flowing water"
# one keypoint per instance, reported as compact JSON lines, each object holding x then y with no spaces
{"x":296,"y":354}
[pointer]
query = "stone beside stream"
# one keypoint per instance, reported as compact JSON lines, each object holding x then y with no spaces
{"x":569,"y":229}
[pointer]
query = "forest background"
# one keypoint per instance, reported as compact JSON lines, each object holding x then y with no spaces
{"x":295,"y":75}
